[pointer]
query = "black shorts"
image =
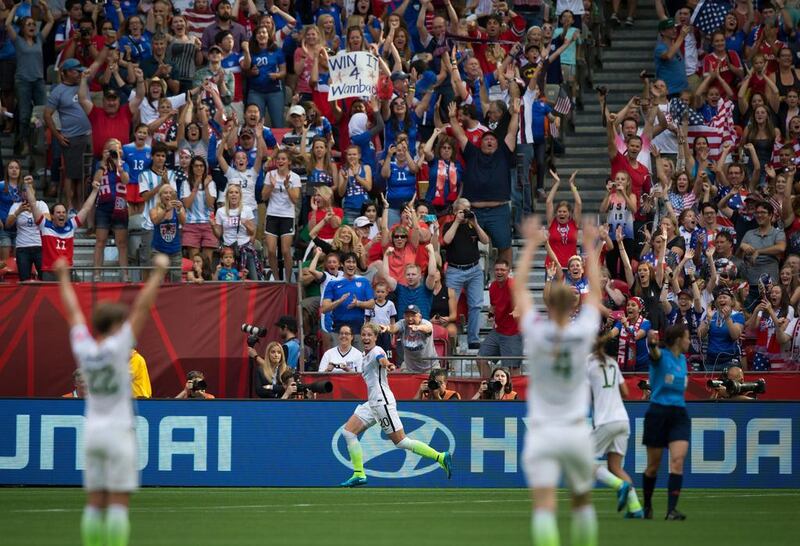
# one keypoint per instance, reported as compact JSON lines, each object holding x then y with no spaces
{"x":8,"y":67}
{"x":278,"y":226}
{"x":103,"y":219}
{"x":665,"y":424}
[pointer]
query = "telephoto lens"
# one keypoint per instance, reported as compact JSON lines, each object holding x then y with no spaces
{"x":251,"y":330}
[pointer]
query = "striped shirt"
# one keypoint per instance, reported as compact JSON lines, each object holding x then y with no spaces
{"x":198,"y":212}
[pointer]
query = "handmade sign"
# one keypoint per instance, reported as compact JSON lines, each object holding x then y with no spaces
{"x":353,"y":74}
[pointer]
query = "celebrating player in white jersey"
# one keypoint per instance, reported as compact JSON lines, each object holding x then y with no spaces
{"x":558,"y":438}
{"x":611,"y":428}
{"x":381,"y":408}
{"x":109,"y":441}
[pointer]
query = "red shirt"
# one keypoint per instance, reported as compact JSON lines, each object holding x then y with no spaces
{"x":563,"y":240}
{"x":512,"y":34}
{"x":105,"y":126}
{"x":503,"y":303}
{"x":326,"y":232}
{"x":711,"y":61}
{"x":640,"y":177}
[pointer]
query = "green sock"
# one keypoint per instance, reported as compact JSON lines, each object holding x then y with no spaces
{"x":544,"y":528}
{"x":421,"y":449}
{"x":584,"y":526}
{"x":92,"y":526}
{"x":605,"y":477}
{"x":118,"y":528}
{"x":633,"y":501}
{"x":356,"y":457}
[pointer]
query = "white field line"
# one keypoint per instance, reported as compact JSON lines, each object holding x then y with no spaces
{"x":326,"y":506}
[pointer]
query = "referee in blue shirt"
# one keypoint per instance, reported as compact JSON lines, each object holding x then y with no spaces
{"x":666,"y":423}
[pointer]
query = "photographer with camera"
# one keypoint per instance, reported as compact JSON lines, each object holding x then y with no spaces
{"x":195,"y":387}
{"x":732,"y":386}
{"x":344,"y":358}
{"x":435,"y":387}
{"x":293,"y":387}
{"x":499,"y":387}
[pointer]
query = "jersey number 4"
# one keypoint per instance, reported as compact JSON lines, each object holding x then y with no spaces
{"x":101,"y":381}
{"x":563,"y":364}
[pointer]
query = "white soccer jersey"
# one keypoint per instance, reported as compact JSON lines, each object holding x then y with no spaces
{"x":381,"y":314}
{"x":604,"y":379}
{"x":558,"y":389}
{"x":376,"y":378}
{"x":353,"y":358}
{"x":108,"y":382}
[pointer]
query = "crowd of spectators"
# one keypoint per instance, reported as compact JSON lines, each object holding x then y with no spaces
{"x":211,"y":139}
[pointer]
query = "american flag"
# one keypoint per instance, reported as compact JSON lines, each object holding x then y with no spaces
{"x":709,"y":15}
{"x":563,"y":103}
{"x":718,"y":130}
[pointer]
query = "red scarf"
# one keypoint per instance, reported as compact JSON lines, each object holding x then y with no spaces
{"x":448,"y":170}
{"x":626,"y":355}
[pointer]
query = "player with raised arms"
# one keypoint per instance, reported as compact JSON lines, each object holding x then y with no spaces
{"x":611,"y":428}
{"x":666,"y":423}
{"x":558,"y":436}
{"x":109,"y":439}
{"x":381,"y":408}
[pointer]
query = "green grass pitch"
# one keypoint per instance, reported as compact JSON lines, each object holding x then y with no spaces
{"x":393,"y":517}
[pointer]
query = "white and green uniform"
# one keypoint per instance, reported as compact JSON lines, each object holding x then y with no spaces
{"x":381,"y":406}
{"x":109,"y":438}
{"x":611,"y":425}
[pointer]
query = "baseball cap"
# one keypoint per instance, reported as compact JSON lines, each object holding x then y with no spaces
{"x":297,"y":110}
{"x":399,"y":75}
{"x":288,"y":322}
{"x":215,"y":47}
{"x":110,"y":93}
{"x":412,"y":309}
{"x":722,"y":291}
{"x":491,"y":134}
{"x":362,"y":221}
{"x":73,"y":64}
{"x":665,"y":24}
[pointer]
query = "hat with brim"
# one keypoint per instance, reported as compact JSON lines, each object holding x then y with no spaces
{"x":362,"y":221}
{"x":159,"y":81}
{"x":73,"y":64}
{"x":412,"y":309}
{"x":665,"y":24}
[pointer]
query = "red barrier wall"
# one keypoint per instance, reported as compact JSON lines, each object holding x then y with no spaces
{"x":191,"y":327}
{"x":780,"y":385}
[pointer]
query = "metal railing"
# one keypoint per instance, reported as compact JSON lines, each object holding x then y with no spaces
{"x":467,"y":364}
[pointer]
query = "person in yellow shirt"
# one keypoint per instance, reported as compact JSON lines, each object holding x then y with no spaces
{"x":140,"y":379}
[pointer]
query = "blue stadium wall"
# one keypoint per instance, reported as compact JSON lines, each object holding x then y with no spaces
{"x":259,"y":443}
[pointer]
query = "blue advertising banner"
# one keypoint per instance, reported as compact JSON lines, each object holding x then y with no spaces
{"x":275,"y":443}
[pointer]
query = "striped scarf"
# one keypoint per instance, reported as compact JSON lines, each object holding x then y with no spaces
{"x":626,"y":354}
{"x":445,"y":171}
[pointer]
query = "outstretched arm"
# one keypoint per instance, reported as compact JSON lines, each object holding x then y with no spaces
{"x":68,"y":296}
{"x":592,"y":250}
{"x":147,"y":295}
{"x":534,"y":237}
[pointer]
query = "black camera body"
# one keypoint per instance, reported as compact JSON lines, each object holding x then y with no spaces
{"x":433,"y":385}
{"x":735,"y":388}
{"x":468,"y":214}
{"x":254,"y":333}
{"x":85,"y":32}
{"x":199,"y":385}
{"x":494,"y":386}
{"x":113,"y":154}
{"x":644,"y":385}
{"x":318,"y":387}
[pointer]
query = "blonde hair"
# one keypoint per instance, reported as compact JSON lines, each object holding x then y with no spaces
{"x":267,"y":369}
{"x":561,"y":299}
{"x":228,"y":197}
{"x":355,"y":245}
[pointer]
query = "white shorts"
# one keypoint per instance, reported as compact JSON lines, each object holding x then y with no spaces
{"x":549,"y":451}
{"x":383,"y":414}
{"x":110,"y":460}
{"x":611,"y":438}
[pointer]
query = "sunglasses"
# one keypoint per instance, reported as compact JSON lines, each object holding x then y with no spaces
{"x":400,"y":236}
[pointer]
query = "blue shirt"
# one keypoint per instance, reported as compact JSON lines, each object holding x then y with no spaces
{"x":668,"y":378}
{"x":539,"y":111}
{"x":421,"y":296}
{"x":672,"y":71}
{"x":401,"y":185}
{"x":8,"y":196}
{"x":137,"y":160}
{"x":167,"y":235}
{"x":719,"y":339}
{"x":141,"y":48}
{"x":358,"y":287}
{"x":292,"y":349}
{"x":228,"y":274}
{"x":268,"y":62}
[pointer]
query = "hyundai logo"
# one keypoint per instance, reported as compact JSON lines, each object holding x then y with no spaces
{"x":374,"y":446}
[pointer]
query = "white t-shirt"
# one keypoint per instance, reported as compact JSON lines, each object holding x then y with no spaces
{"x":353,"y":358}
{"x":108,"y":377}
{"x":381,"y":314}
{"x":148,"y":181}
{"x":280,"y":205}
{"x":28,"y":234}
{"x":666,"y":141}
{"x":558,"y":387}
{"x":607,"y":401}
{"x":232,"y":222}
{"x":375,"y":376}
{"x":247,"y":180}
{"x":148,"y":112}
{"x":325,"y":321}
{"x":198,"y":212}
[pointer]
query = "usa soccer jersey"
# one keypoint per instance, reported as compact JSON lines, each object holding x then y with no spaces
{"x":57,"y":242}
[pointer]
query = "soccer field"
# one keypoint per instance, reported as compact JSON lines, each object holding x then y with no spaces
{"x":373,"y":516}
